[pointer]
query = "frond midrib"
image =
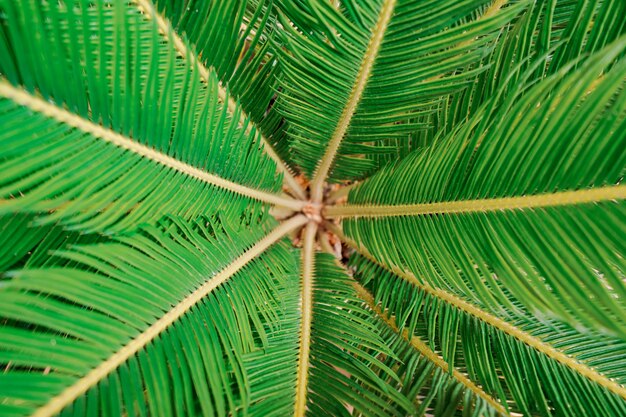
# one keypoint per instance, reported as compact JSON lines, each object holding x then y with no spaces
{"x":185,"y":52}
{"x":490,"y":319}
{"x":304,"y":348}
{"x":323,"y":167}
{"x":559,"y":198}
{"x":58,"y":113}
{"x":81,"y":386}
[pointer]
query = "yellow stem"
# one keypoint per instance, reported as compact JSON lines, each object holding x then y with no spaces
{"x":321,"y":172}
{"x":58,"y":403}
{"x":561,"y":198}
{"x":308,"y":276}
{"x":426,"y":351}
{"x":39,"y":105}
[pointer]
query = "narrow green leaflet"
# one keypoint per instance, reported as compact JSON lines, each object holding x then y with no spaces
{"x":81,"y":338}
{"x":436,"y":391}
{"x":234,"y":37}
{"x":523,"y":379}
{"x":424,"y":377}
{"x":358,"y":79}
{"x":420,"y":373}
{"x":586,"y":25}
{"x":26,"y":244}
{"x":121,"y":130}
{"x":525,"y":199}
{"x":525,"y":52}
{"x":271,"y":371}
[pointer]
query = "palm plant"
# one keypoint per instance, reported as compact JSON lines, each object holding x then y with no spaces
{"x":312,"y":207}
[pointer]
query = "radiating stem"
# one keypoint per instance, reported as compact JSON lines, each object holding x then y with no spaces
{"x":42,"y":106}
{"x":561,"y":198}
{"x":308,"y":276}
{"x":321,"y":172}
{"x":342,"y":192}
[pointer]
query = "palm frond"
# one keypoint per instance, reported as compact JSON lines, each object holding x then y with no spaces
{"x":344,"y":371}
{"x":306,"y":308}
{"x":496,"y":207}
{"x":540,"y":42}
{"x":139,"y":96}
{"x":102,"y":331}
{"x":347,"y":87}
{"x":272,"y":371}
{"x":421,"y":374}
{"x":435,"y":387}
{"x":523,"y":378}
{"x":26,"y":244}
{"x":587,"y":27}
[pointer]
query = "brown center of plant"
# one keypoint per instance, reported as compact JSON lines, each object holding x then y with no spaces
{"x":325,"y":238}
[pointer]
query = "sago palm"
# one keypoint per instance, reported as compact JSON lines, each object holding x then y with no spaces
{"x":312,"y":207}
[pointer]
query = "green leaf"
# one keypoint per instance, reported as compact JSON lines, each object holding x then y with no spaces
{"x":527,"y":379}
{"x":24,"y":244}
{"x":271,"y":371}
{"x":345,"y":351}
{"x":526,"y":51}
{"x":81,"y":319}
{"x":242,"y":58}
{"x":348,"y":87}
{"x":127,"y":85}
{"x":496,"y":208}
{"x":235,"y":39}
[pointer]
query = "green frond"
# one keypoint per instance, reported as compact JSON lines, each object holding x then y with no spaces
{"x":343,"y":90}
{"x":501,"y":205}
{"x":271,"y":371}
{"x":116,"y":71}
{"x":424,"y":376}
{"x":346,"y":369}
{"x":546,"y":37}
{"x":587,"y":27}
{"x":170,"y":171}
{"x":26,"y":244}
{"x":63,"y":325}
{"x":522,"y":378}
{"x":434,"y":390}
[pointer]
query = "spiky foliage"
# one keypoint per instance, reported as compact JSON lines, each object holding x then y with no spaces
{"x":173,"y":170}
